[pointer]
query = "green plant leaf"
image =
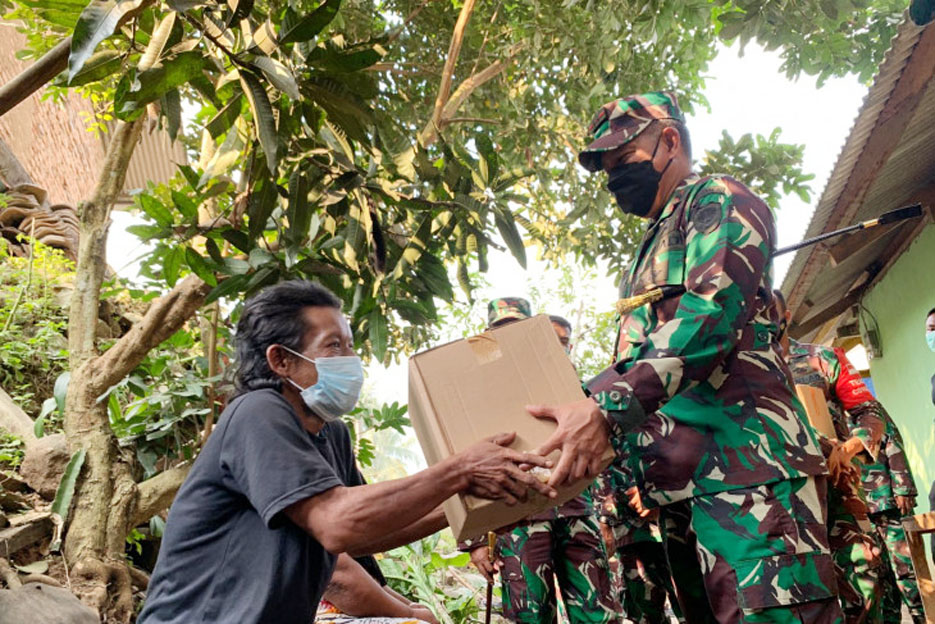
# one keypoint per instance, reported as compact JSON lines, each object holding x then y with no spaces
{"x":60,"y":390}
{"x":279,"y":75}
{"x":155,"y":210}
{"x":379,"y":333}
{"x":225,"y":118}
{"x":36,"y":567}
{"x":66,"y":487}
{"x":172,"y":109}
{"x":263,"y":118}
{"x":100,"y":65}
{"x":296,"y":28}
{"x":200,"y":267}
{"x":99,"y":20}
{"x":507,"y":227}
{"x":185,"y":204}
{"x":172,"y":264}
{"x":133,"y":95}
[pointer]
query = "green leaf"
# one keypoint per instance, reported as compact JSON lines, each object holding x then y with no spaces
{"x":172,"y":264}
{"x":507,"y":227}
{"x":132,"y":96}
{"x":200,"y":267}
{"x":185,"y":204}
{"x":172,"y":109}
{"x":148,"y":232}
{"x":279,"y":75}
{"x":490,"y":157}
{"x":238,"y":239}
{"x":100,"y":65}
{"x":36,"y":567}
{"x":60,"y":390}
{"x":155,"y":210}
{"x":226,"y":156}
{"x":305,"y":28}
{"x":263,"y":117}
{"x":99,"y":20}
{"x":260,"y":206}
{"x":66,"y":487}
{"x":346,"y":62}
{"x":379,"y":333}
{"x":225,"y":118}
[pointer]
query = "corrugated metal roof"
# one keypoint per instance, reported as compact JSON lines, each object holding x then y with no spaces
{"x":155,"y":159}
{"x":810,"y":263}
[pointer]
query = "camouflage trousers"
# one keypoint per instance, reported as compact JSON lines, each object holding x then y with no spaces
{"x":856,"y":553}
{"x":644,"y":574}
{"x":902,"y":580}
{"x":567,"y":550}
{"x":753,"y":555}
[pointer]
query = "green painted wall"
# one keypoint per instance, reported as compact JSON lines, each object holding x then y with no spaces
{"x":902,"y":376}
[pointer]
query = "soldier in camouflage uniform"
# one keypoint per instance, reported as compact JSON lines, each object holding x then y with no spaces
{"x":643,"y":581}
{"x":888,"y":489}
{"x":854,"y":546}
{"x":562,"y":544}
{"x":699,"y":403}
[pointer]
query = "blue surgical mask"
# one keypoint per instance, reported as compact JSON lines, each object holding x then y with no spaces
{"x":930,"y":339}
{"x":340,"y":379}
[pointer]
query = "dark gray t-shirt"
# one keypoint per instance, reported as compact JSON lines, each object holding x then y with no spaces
{"x":229,"y":554}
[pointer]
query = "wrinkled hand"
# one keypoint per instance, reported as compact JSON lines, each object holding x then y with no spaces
{"x":842,"y":471}
{"x":421,"y":612}
{"x":906,"y":504}
{"x":480,"y":557}
{"x":582,"y":435}
{"x":493,"y":470}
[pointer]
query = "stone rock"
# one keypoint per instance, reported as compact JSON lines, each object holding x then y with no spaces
{"x":37,"y":602}
{"x":44,"y":464}
{"x":15,"y":420}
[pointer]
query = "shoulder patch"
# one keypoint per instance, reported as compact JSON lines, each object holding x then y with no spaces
{"x":705,"y":218}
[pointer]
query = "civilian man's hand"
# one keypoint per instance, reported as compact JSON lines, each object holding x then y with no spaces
{"x":906,"y":504}
{"x":582,"y":435}
{"x":421,"y":612}
{"x":480,"y":557}
{"x":493,"y":470}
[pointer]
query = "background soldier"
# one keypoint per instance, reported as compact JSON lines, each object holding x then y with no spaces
{"x":641,"y":573}
{"x":854,"y":546}
{"x":699,"y":403}
{"x":560,"y":545}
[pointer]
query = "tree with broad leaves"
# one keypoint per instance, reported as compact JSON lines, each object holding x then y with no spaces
{"x":371,"y":146}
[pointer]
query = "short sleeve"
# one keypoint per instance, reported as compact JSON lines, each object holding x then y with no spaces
{"x":268,"y":457}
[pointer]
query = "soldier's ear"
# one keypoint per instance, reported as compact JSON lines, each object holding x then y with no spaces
{"x":672,"y":139}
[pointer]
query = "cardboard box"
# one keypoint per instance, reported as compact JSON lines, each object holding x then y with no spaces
{"x":468,"y":390}
{"x":917,"y":526}
{"x":816,"y":408}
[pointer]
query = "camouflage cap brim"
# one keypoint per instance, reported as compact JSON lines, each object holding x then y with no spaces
{"x":590,"y":157}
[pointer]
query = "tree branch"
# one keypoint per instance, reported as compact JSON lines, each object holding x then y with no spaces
{"x":429,"y":133}
{"x":454,"y":50}
{"x":35,"y":76}
{"x":164,"y":317}
{"x":155,"y":494}
{"x":94,"y":216}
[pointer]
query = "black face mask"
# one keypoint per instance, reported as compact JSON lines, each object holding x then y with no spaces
{"x":635,"y":184}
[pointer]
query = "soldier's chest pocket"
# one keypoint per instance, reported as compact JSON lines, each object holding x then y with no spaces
{"x":663,"y":261}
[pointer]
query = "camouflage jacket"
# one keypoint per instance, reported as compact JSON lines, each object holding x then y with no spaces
{"x":699,"y":399}
{"x":856,"y":413}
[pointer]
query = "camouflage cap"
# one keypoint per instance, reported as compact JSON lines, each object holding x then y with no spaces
{"x":507,"y":309}
{"x":619,"y":121}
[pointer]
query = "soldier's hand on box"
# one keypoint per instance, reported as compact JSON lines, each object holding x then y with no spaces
{"x":582,"y":435}
{"x":840,"y":468}
{"x":493,"y":470}
{"x":906,"y":504}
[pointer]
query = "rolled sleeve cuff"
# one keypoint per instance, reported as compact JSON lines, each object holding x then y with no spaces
{"x":866,"y":439}
{"x":622,"y":411}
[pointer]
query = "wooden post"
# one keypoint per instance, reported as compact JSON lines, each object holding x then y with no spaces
{"x":917,"y":526}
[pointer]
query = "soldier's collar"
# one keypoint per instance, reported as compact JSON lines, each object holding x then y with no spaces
{"x":676,"y":197}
